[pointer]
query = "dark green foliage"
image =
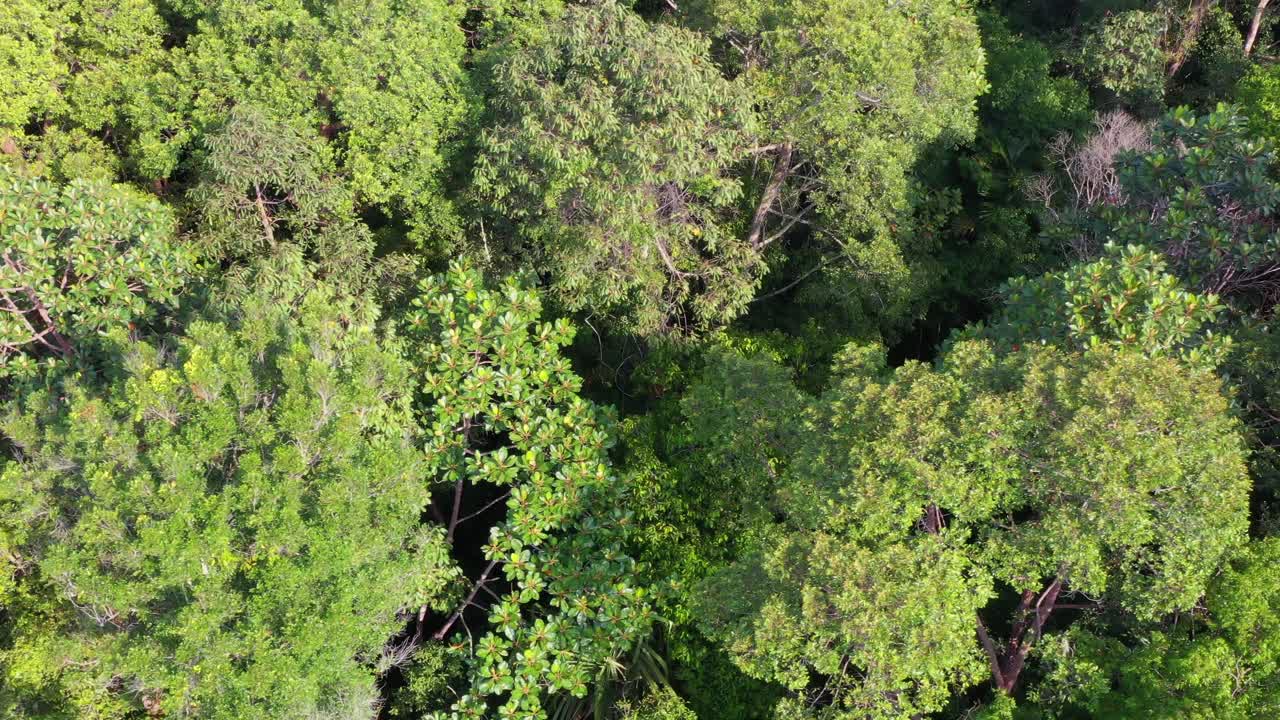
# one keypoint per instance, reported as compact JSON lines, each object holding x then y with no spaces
{"x":1223,"y":662}
{"x":991,"y":232}
{"x":1208,"y":197}
{"x":1254,"y":364}
{"x":1124,"y":54}
{"x":1202,"y":191}
{"x":1215,"y":66}
{"x":264,"y":183}
{"x":429,"y":682}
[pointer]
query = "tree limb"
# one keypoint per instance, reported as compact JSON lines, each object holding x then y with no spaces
{"x":1254,"y":24}
{"x":1189,"y":33}
{"x":791,"y":284}
{"x":992,"y":656}
{"x":457,"y":506}
{"x":263,"y":216}
{"x":484,"y":578}
{"x":781,"y":168}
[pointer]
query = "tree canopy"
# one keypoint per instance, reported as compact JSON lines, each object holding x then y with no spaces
{"x":639,"y":359}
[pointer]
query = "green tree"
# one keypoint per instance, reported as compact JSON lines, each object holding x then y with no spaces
{"x":503,"y":423}
{"x":660,"y":704}
{"x":1124,"y":299}
{"x":920,"y":496}
{"x":96,"y":69}
{"x":388,"y":110}
{"x":1216,"y":181}
{"x":1259,"y":96}
{"x":1202,"y":192}
{"x":610,"y":145}
{"x":27,"y":38}
{"x":990,"y":233}
{"x":233,"y":526}
{"x":228,"y":527}
{"x":1223,"y":662}
{"x":263,"y":185}
{"x":1124,"y":53}
{"x":78,"y":260}
{"x":850,"y":94}
{"x":702,"y":465}
{"x":1215,"y":64}
{"x":151,"y":81}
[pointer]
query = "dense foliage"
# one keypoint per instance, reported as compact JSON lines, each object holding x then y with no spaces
{"x":639,"y":359}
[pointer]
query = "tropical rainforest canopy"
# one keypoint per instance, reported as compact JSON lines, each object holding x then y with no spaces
{"x":639,"y":360}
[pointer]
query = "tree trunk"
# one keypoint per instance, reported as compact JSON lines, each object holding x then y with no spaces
{"x":781,"y":169}
{"x":1189,"y":34}
{"x":1254,"y":24}
{"x":1033,"y":611}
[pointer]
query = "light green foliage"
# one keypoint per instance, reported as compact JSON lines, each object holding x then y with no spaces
{"x":610,"y":145}
{"x":229,"y":527}
{"x":156,"y":79}
{"x":859,"y":87}
{"x":389,"y":106}
{"x":1124,"y":299}
{"x":505,"y":411}
{"x":28,"y":31}
{"x":77,"y":260}
{"x":1124,"y":53}
{"x":1259,"y":96}
{"x":918,"y":494}
{"x":838,"y":623}
{"x":1224,"y":664}
{"x":95,"y":66}
{"x":497,"y":20}
{"x":659,"y":704}
{"x":115,"y":61}
{"x":65,"y":155}
{"x":398,"y":89}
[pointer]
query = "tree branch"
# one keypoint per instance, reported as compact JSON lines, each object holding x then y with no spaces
{"x":1254,"y":24}
{"x":1189,"y":34}
{"x":791,"y":284}
{"x":992,"y":656}
{"x":484,"y":578}
{"x":781,"y":168}
{"x":60,"y":344}
{"x":666,"y":259}
{"x":263,"y":216}
{"x":457,"y":506}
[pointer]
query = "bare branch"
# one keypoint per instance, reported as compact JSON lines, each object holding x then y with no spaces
{"x":484,"y":578}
